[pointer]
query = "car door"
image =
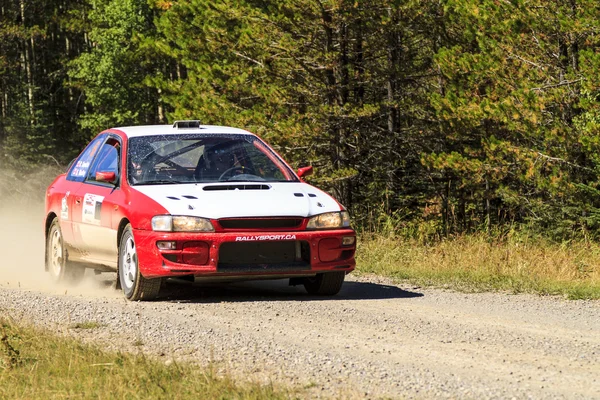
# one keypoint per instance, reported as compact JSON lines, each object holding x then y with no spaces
{"x":94,"y":204}
{"x":76,"y":174}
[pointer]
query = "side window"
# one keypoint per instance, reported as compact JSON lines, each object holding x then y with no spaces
{"x":79,"y":169}
{"x":107,"y":159}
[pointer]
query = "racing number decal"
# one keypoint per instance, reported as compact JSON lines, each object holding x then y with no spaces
{"x":80,"y":169}
{"x":92,"y":209}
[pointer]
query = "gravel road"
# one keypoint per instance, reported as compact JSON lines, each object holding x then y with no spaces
{"x":375,"y":339}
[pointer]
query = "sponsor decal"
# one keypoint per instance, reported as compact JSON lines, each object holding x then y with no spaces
{"x":255,"y":238}
{"x":92,"y":209}
{"x":64,"y":207}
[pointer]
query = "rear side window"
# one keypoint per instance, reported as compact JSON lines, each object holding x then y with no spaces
{"x":80,"y":168}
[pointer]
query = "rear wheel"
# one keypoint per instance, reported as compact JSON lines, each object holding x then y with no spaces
{"x":134,"y":285}
{"x":56,"y":258}
{"x":326,"y":284}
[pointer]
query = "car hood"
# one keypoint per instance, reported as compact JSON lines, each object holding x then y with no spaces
{"x":241,"y":199}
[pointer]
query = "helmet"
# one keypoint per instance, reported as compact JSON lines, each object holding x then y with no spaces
{"x":220,"y":155}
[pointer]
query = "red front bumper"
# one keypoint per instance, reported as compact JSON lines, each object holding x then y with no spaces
{"x":199,"y":253}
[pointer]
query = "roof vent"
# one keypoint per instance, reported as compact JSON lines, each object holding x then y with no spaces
{"x":188,"y":124}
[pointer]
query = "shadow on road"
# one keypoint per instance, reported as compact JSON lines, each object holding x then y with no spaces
{"x":193,"y":292}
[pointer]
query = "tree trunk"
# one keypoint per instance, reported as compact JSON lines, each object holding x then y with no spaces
{"x":392,"y":54}
{"x":27,"y":61}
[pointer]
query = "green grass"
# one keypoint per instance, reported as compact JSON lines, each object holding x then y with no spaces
{"x":37,"y":365}
{"x":478,"y":262}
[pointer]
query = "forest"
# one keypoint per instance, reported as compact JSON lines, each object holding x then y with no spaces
{"x":443,"y":116}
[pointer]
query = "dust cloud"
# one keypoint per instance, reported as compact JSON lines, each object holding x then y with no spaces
{"x":22,"y":247}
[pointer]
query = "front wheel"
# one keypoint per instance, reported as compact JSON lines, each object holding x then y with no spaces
{"x":61,"y":271}
{"x":326,"y":284}
{"x":134,"y":285}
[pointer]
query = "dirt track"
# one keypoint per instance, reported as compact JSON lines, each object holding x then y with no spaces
{"x":375,"y":339}
{"x":372,"y":340}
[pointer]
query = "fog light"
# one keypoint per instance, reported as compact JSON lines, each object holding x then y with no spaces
{"x":329,"y":249}
{"x":348,"y":240}
{"x":195,"y":253}
{"x":164,"y":245}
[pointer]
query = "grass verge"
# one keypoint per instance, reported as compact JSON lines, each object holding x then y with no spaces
{"x":479,"y":263}
{"x":38,"y":365}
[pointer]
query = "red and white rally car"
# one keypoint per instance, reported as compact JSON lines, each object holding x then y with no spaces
{"x":212,"y":202}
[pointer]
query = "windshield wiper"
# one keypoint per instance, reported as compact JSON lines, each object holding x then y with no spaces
{"x":243,"y":180}
{"x":162,"y":182}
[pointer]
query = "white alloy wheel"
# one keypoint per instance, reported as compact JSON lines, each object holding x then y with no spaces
{"x":55,"y":252}
{"x":129,"y":262}
{"x":134,"y":285}
{"x":56,"y":258}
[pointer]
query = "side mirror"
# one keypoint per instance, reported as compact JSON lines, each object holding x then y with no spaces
{"x":106,"y":176}
{"x":305,"y":171}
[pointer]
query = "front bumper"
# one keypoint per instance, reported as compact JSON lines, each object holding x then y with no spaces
{"x":245,"y":254}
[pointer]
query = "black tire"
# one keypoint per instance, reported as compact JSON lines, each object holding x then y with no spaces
{"x":134,"y":285}
{"x":57,"y":263}
{"x":326,"y":284}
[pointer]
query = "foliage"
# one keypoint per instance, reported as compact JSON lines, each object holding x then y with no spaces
{"x":38,"y":108}
{"x":458,"y":116}
{"x":112,"y":71}
{"x":514,"y":116}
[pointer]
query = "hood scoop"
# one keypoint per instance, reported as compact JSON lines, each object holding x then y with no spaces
{"x":237,"y":187}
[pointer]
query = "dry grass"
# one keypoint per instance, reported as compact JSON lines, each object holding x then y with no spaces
{"x":37,"y":365}
{"x":478,"y":263}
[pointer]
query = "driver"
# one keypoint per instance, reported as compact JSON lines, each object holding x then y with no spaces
{"x":219,"y":161}
{"x":135,"y":171}
{"x":139,"y":151}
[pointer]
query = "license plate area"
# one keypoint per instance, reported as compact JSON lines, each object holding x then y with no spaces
{"x":291,"y":255}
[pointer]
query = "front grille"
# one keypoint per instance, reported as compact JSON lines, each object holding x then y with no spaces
{"x":264,"y":256}
{"x":260,"y":223}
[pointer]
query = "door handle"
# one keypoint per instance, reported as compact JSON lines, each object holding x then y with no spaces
{"x":77,"y":201}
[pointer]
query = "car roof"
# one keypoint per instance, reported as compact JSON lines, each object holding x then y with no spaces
{"x":154,"y":130}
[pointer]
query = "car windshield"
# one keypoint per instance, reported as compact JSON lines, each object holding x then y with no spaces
{"x":192,"y":158}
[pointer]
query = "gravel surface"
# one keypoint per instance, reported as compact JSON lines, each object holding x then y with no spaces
{"x":375,"y":339}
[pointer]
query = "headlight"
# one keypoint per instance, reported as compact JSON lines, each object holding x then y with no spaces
{"x":330,"y":220}
{"x":162,"y":223}
{"x":181,"y":223}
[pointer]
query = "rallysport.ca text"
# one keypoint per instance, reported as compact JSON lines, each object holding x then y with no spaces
{"x":264,"y":237}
